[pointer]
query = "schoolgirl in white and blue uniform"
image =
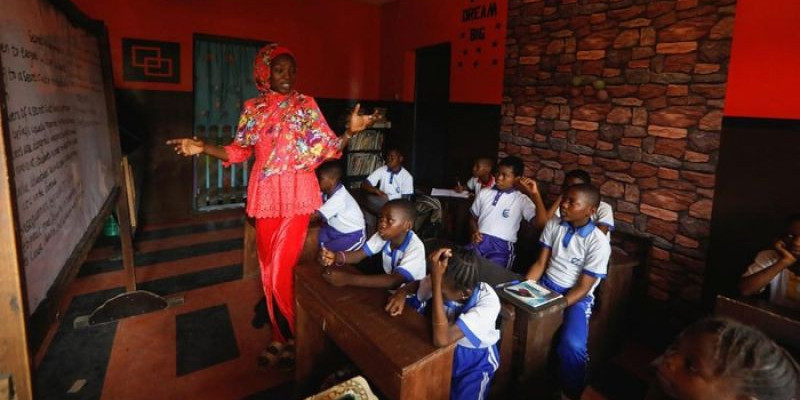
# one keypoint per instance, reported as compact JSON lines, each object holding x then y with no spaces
{"x":343,"y":227}
{"x":574,"y":251}
{"x":476,"y":358}
{"x":499,"y":212}
{"x":408,"y":259}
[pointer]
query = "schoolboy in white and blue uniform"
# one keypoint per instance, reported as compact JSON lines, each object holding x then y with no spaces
{"x":573,"y":260}
{"x":496,"y":213}
{"x":391,"y":181}
{"x":343,"y":227}
{"x":402,"y":252}
{"x":407,"y":259}
{"x":464,"y":311}
{"x":482,"y":177}
{"x":603,"y":218}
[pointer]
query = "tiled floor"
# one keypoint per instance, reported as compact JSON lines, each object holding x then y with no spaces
{"x":205,"y":348}
{"x":137,"y":357}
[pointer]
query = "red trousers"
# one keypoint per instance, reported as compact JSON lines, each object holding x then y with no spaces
{"x":279,"y":242}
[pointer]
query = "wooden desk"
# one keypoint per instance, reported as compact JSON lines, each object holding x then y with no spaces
{"x":396,"y":354}
{"x":535,"y":330}
{"x":779,"y":323}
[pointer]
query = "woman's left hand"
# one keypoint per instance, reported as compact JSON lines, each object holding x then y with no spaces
{"x":360,"y":122}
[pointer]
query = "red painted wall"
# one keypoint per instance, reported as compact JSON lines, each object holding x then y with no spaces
{"x":409,"y":24}
{"x":763,"y":79}
{"x":335,"y":41}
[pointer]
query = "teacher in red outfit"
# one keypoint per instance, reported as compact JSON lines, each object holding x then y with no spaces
{"x":290,"y":138}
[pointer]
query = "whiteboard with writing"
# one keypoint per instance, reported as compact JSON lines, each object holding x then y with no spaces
{"x":58,"y":135}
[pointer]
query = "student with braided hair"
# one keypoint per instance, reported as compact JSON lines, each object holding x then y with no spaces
{"x":721,"y":359}
{"x":464,"y":310}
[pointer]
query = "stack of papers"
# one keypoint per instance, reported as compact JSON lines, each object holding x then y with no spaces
{"x":449,"y":193}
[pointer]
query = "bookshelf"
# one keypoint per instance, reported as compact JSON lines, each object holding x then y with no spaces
{"x":365,"y":153}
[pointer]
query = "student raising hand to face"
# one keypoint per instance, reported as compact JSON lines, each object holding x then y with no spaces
{"x":528,"y":186}
{"x":438,"y":263}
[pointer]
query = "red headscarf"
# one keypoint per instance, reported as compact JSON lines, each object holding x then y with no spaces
{"x":261,"y":65}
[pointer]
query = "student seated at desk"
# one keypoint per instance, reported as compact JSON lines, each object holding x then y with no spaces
{"x":402,"y":251}
{"x":777,"y":268}
{"x":390,"y":181}
{"x":497,"y":212}
{"x":464,"y":310}
{"x":342,"y":220}
{"x":604,"y":217}
{"x":721,"y":359}
{"x":573,"y":259}
{"x":482,"y":177}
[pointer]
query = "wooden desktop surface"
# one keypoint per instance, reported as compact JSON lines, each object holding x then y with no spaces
{"x":396,"y":354}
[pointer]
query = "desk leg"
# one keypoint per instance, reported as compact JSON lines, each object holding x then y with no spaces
{"x":536,"y":342}
{"x":313,"y":352}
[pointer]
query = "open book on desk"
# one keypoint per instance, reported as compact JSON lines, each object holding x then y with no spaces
{"x":449,"y":193}
{"x":530,"y":293}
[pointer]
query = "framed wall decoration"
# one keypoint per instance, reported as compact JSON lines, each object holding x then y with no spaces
{"x":150,"y":61}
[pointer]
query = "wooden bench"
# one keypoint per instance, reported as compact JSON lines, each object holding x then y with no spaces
{"x":616,"y":295}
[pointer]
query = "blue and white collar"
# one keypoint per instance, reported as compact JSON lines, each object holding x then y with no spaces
{"x":500,"y":192}
{"x":387,"y":248}
{"x":583,"y":231}
{"x":325,"y":196}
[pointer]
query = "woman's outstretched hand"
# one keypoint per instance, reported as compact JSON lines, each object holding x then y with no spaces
{"x":360,"y":122}
{"x":187,"y":147}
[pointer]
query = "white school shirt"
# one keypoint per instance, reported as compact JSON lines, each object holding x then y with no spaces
{"x":341,"y":211}
{"x":408,"y":259}
{"x":784,"y":288}
{"x":584,"y":250}
{"x":499,"y":212}
{"x":476,"y":317}
{"x":395,"y":185}
{"x":603,"y":216}
{"x":476,"y":186}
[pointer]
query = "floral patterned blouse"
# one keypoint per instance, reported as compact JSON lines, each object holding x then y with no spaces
{"x":290,"y":138}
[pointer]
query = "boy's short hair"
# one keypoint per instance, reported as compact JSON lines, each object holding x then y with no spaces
{"x":578,"y":174}
{"x":791,"y":219}
{"x":406,"y":208}
{"x":332,"y":169}
{"x":394,"y":149}
{"x":515,"y":163}
{"x":485,"y":160}
{"x":588,"y":190}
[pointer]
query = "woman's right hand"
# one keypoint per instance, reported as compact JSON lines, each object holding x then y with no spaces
{"x":187,"y":147}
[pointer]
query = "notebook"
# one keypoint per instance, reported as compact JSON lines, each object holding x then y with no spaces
{"x":531,"y":293}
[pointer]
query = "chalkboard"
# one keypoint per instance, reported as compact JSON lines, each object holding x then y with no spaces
{"x":58,"y":134}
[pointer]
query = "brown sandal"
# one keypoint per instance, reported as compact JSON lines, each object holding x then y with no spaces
{"x":270,"y":355}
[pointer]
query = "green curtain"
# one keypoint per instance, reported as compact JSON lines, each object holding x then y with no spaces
{"x":223,"y":81}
